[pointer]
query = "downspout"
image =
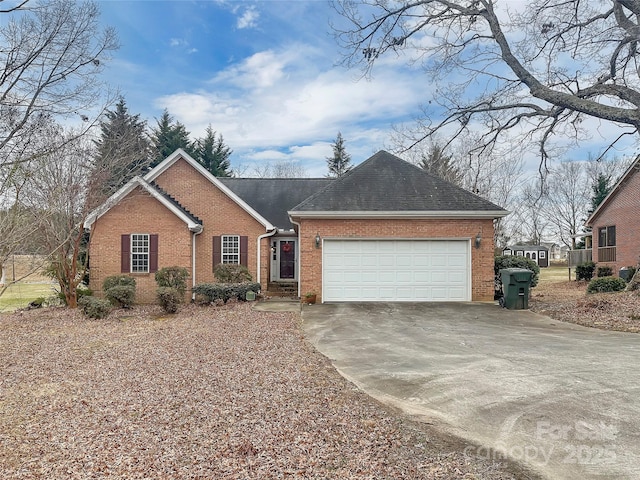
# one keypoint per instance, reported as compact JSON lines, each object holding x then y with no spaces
{"x":196,"y":231}
{"x":299,"y":256}
{"x":260,"y":237}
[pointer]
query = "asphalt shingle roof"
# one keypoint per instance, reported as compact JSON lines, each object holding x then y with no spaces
{"x":386,"y":183}
{"x":273,"y":197}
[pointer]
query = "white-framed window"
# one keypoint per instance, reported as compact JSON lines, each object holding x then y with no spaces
{"x":140,"y":253}
{"x":542,"y":254}
{"x":519,"y":253}
{"x":231,"y":249}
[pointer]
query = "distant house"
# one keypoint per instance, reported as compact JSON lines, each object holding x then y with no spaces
{"x":385,"y":231}
{"x":556,"y":252}
{"x":616,"y":222}
{"x":537,"y":253}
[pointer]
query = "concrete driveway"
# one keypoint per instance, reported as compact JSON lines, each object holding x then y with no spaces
{"x":563,"y":399}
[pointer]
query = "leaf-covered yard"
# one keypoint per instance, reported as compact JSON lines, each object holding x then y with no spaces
{"x":210,"y":393}
{"x":568,"y":301}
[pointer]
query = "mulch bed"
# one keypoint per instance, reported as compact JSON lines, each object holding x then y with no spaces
{"x":210,"y":393}
{"x":568,"y":301}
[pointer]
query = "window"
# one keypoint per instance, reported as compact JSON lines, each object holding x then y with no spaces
{"x":139,"y":253}
{"x":230,"y":249}
{"x":519,"y":253}
{"x":607,"y":236}
{"x":542,"y":254}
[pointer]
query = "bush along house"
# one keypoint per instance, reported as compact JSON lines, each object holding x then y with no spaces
{"x":385,"y":231}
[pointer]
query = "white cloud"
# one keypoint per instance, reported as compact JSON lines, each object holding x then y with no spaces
{"x":289,"y":104}
{"x":248,"y":19}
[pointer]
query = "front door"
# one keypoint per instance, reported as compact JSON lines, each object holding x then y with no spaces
{"x":287,"y":259}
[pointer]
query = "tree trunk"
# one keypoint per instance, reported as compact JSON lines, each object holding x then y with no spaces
{"x":634,"y":283}
{"x":3,"y":275}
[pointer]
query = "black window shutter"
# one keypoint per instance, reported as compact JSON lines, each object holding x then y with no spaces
{"x":217,"y":253}
{"x":125,"y":254}
{"x":153,"y":253}
{"x":611,"y":236}
{"x":244,"y":245}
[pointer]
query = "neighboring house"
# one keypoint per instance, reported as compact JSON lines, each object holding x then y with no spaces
{"x":386,"y":231}
{"x":537,"y":253}
{"x":616,"y":223}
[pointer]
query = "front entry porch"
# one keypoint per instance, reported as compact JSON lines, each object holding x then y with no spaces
{"x":283,"y":278}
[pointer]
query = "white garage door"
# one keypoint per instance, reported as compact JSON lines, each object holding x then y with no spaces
{"x":395,"y":270}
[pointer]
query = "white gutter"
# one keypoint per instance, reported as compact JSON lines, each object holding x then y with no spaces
{"x":260,"y":237}
{"x":475,"y":214}
{"x":196,"y":231}
{"x":299,"y":255}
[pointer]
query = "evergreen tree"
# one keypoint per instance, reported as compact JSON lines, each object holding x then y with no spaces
{"x":213,"y":154}
{"x":601,"y":188}
{"x":437,"y":163}
{"x":123,"y":149}
{"x":168,"y":136}
{"x":340,"y":162}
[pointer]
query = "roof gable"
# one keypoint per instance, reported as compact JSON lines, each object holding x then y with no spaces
{"x":181,"y":154}
{"x":387,"y":185}
{"x":633,"y":169}
{"x":193,"y":223}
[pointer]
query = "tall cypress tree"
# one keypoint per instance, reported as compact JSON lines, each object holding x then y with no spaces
{"x":340,"y":162}
{"x":123,"y":149}
{"x":168,"y":136}
{"x":212,"y":153}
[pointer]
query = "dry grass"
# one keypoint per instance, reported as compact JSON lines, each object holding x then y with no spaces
{"x":568,"y":301}
{"x":20,"y":294}
{"x":209,"y":393}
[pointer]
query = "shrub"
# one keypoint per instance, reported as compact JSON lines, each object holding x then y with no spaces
{"x":231,"y":273}
{"x":121,"y":295}
{"x":585,"y":271}
{"x":173,"y":277}
{"x":606,"y":284}
{"x":93,"y":307}
{"x":169,"y":298}
{"x":604,"y":271}
{"x":210,"y":292}
{"x":117,"y":280}
{"x":120,"y":290}
{"x":514,"y":261}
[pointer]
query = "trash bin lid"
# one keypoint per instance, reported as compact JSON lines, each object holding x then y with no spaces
{"x":517,"y":274}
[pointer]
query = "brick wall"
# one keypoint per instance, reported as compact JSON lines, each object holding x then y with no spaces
{"x":220,"y":215}
{"x":623,"y":211}
{"x":141,"y":213}
{"x":482,"y":288}
{"x":137,"y":213}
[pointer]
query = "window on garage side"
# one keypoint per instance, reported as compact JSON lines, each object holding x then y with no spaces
{"x":139,"y":253}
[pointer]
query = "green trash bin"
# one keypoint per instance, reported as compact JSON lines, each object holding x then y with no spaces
{"x":515,"y":286}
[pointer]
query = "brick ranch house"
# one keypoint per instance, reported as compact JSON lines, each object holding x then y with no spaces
{"x":386,"y":231}
{"x":616,"y":223}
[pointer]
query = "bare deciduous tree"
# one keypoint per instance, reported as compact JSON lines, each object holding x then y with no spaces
{"x":51,"y":57}
{"x":534,"y":69}
{"x":279,"y":169}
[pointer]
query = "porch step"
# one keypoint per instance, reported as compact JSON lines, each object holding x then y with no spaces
{"x":282,"y":289}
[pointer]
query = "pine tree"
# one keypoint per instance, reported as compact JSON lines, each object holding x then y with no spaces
{"x":213,"y":154}
{"x":437,"y":163}
{"x":340,"y":162}
{"x":601,"y":188}
{"x":168,"y":136}
{"x":123,"y":149}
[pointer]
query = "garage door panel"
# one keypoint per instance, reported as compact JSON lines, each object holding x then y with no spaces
{"x":395,"y":270}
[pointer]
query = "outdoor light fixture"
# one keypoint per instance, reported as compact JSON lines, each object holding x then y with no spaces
{"x":478,"y":240}
{"x":317,"y":240}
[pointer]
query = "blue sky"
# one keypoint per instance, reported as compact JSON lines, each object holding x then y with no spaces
{"x":264,"y":74}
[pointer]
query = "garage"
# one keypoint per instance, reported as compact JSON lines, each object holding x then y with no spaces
{"x":396,"y":270}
